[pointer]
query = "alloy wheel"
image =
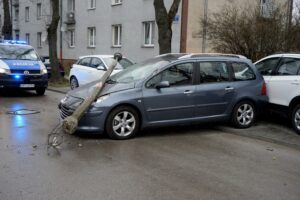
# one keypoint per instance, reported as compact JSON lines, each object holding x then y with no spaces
{"x":297,"y":119}
{"x":124,"y":123}
{"x":245,"y":114}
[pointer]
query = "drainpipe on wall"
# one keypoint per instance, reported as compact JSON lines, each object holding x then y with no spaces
{"x":60,"y":32}
{"x":204,"y":26}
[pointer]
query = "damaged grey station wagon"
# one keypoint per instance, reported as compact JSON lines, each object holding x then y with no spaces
{"x":169,"y":90}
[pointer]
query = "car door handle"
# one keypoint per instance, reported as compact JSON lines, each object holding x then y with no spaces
{"x":229,"y":88}
{"x":188,"y":92}
{"x":295,"y":83}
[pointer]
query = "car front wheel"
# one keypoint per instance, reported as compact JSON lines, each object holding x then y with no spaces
{"x":243,"y":114}
{"x":40,"y":91}
{"x":74,"y":83}
{"x":122,"y":123}
{"x":296,"y":118}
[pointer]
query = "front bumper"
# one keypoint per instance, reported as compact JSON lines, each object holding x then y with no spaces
{"x":92,"y":121}
{"x":10,"y":81}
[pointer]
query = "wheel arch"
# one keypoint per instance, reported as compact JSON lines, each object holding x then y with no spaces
{"x":293,"y":103}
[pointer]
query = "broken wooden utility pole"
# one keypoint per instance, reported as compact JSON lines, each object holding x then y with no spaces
{"x":70,"y":123}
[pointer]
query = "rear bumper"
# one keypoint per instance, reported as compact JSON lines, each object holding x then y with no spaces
{"x":36,"y":81}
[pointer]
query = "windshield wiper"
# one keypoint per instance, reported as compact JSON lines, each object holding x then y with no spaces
{"x":110,"y":81}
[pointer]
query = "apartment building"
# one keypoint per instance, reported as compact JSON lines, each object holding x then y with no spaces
{"x":94,"y":27}
{"x":109,"y":26}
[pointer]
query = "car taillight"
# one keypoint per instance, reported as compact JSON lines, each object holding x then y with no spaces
{"x":264,"y":89}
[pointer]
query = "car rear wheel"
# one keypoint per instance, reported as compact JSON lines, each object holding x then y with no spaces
{"x":74,"y":83}
{"x":122,"y":123}
{"x":40,"y":91}
{"x":243,"y":114}
{"x":296,"y":118}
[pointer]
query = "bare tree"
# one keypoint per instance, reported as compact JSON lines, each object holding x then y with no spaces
{"x":7,"y":26}
{"x":244,"y":30}
{"x":164,"y":20}
{"x":52,"y":41}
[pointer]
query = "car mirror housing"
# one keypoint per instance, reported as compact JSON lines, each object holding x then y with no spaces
{"x":101,"y":67}
{"x":42,"y":59}
{"x":163,"y":84}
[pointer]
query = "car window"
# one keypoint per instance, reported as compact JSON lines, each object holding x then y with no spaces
{"x":178,"y":75}
{"x":96,"y":62}
{"x":213,"y":72}
{"x":266,"y":67}
{"x":242,"y":72}
{"x":289,"y":66}
{"x":85,"y":62}
{"x":108,"y":61}
{"x":125,"y":63}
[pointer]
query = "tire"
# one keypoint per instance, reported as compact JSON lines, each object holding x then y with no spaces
{"x":119,"y":121}
{"x":40,"y":91}
{"x":244,"y":114}
{"x":296,"y":118}
{"x":74,"y":83}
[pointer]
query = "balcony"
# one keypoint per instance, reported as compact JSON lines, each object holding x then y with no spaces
{"x":70,"y":18}
{"x":16,"y":25}
{"x":15,"y":2}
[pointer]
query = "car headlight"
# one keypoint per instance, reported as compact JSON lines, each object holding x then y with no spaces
{"x":4,"y":71}
{"x":100,"y":99}
{"x":43,"y":69}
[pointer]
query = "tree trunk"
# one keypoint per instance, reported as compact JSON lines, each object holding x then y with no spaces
{"x":52,"y":41}
{"x":164,"y":22}
{"x":70,"y":123}
{"x":7,"y":26}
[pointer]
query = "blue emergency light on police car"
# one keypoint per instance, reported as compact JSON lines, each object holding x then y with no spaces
{"x":14,"y":41}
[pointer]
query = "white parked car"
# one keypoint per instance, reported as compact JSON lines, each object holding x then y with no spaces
{"x":282,"y":76}
{"x":91,"y":68}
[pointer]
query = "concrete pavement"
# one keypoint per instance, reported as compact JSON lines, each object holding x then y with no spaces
{"x":188,"y":162}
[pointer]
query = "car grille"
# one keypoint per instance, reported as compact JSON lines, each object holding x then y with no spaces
{"x":65,"y":111}
{"x":17,"y":71}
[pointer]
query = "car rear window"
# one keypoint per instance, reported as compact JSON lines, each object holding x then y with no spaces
{"x":242,"y":72}
{"x":289,"y":67}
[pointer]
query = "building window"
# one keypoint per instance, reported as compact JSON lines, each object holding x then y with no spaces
{"x":71,"y":5}
{"x":27,"y":37}
{"x":71,"y":38}
{"x":91,"y":36}
{"x":116,"y":2}
{"x":266,"y":8}
{"x":116,"y":35}
{"x":17,"y":35}
{"x":92,"y":4}
{"x":16,"y":13}
{"x":38,"y":11}
{"x":39,"y":39}
{"x":148,"y":30}
{"x":26,"y":14}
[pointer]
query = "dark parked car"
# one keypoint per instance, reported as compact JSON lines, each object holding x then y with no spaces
{"x":46,"y":62}
{"x":172,"y":89}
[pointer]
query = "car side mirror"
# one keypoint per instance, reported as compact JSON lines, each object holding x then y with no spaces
{"x":42,"y":59}
{"x":163,"y":84}
{"x":101,"y":67}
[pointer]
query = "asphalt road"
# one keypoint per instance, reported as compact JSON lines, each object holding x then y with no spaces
{"x":191,"y":162}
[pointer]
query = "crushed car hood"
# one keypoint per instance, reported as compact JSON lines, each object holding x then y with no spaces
{"x":86,"y":90}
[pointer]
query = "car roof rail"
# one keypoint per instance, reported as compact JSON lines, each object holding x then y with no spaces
{"x":197,"y":55}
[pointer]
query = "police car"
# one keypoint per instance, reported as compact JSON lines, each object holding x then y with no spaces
{"x":21,"y":67}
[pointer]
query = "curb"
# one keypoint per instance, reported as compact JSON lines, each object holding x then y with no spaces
{"x":56,"y":90}
{"x":266,"y":139}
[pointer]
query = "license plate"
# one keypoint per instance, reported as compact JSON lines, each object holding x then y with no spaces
{"x":27,"y":85}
